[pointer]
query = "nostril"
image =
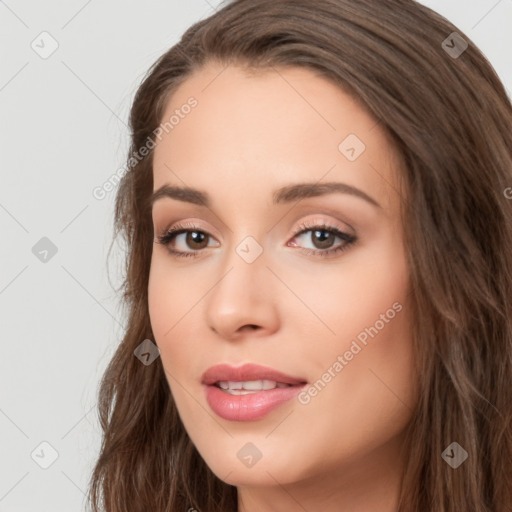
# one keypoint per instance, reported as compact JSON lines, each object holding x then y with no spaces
{"x":248,"y":327}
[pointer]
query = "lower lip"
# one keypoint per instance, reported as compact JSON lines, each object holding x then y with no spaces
{"x":250,"y":407}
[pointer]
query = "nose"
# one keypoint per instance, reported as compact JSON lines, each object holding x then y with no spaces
{"x":243,"y":299}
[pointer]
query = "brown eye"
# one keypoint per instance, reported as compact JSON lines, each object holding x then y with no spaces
{"x":196,"y":239}
{"x":191,"y":245}
{"x":322,"y":239}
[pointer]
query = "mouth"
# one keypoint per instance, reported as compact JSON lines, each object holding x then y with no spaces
{"x":248,"y":392}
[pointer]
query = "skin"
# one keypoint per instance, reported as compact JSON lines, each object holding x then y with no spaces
{"x":249,"y":135}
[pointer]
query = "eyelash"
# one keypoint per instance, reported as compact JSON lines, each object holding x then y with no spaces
{"x":349,"y":240}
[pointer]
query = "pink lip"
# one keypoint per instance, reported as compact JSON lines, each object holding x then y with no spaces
{"x":246,"y":372}
{"x":252,"y":406}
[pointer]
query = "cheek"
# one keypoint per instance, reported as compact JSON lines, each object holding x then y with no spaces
{"x":167,"y":304}
{"x":364,"y":365}
{"x":368,"y":287}
{"x":171,"y":296}
{"x":174,"y":302}
{"x":161,"y":300}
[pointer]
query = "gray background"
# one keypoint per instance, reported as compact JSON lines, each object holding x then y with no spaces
{"x":63,"y":133}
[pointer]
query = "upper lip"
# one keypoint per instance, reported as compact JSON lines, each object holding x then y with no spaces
{"x":246,"y":372}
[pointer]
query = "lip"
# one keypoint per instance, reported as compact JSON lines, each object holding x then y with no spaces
{"x":252,"y":406}
{"x":247,"y":372}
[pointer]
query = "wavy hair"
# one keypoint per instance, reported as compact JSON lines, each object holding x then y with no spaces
{"x":450,"y":119}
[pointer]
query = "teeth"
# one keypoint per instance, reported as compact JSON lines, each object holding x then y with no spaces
{"x":251,"y":386}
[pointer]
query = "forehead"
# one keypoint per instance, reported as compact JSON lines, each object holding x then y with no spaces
{"x":261,"y":130}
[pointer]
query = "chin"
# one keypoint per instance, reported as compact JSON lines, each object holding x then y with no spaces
{"x":268,"y":470}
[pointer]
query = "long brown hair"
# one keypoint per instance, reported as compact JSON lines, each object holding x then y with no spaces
{"x":447,"y":113}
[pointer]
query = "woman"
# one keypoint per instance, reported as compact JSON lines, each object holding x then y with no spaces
{"x":318,"y":269}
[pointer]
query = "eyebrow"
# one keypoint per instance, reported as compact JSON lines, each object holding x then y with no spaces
{"x":282,"y":195}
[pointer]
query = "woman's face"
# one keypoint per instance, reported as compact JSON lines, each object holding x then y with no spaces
{"x":295,"y":262}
